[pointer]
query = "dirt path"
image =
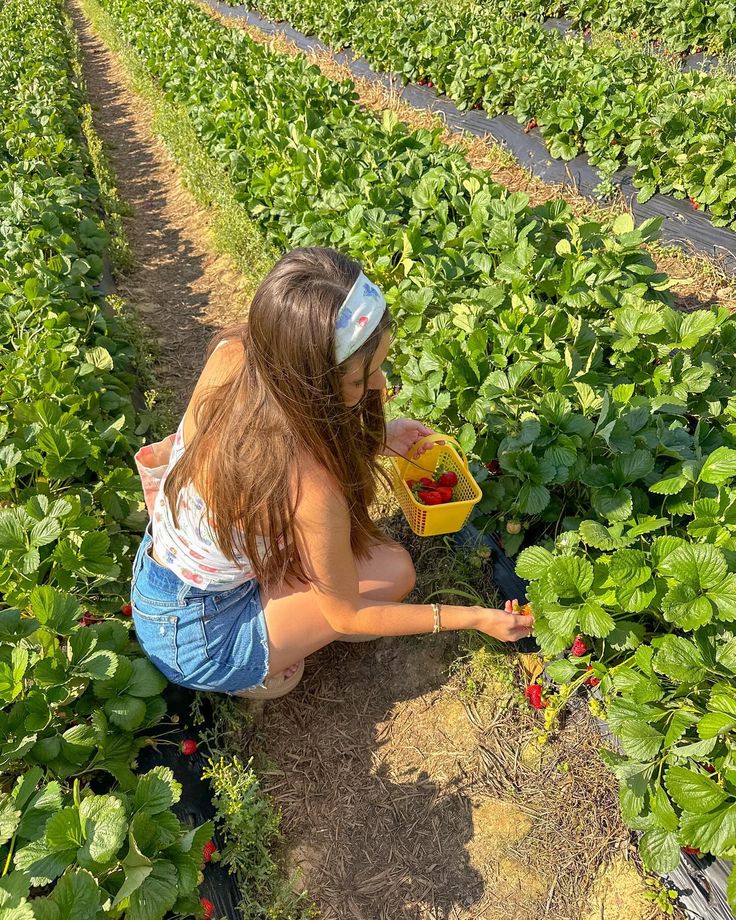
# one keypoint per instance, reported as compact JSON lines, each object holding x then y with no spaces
{"x":179,"y":288}
{"x":407,"y":794}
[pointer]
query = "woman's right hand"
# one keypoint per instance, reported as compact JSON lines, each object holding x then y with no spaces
{"x":506,"y":625}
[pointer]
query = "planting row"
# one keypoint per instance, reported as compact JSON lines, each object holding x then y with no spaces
{"x":80,"y":834}
{"x":550,"y":345}
{"x":681,"y":25}
{"x":613,"y":101}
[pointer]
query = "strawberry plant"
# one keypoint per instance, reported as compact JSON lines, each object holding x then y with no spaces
{"x":77,"y":698}
{"x":615,"y":101}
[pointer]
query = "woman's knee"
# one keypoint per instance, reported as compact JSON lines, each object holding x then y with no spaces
{"x":403,"y":573}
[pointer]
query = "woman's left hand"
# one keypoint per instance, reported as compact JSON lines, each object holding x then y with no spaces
{"x":402,"y":433}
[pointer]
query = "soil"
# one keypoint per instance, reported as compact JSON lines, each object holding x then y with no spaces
{"x":411,"y":789}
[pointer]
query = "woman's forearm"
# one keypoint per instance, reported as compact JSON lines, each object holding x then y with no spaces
{"x":386,"y":618}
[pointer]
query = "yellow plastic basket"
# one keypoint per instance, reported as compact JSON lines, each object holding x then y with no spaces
{"x":431,"y":520}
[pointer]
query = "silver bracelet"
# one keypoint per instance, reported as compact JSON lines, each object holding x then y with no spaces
{"x":437,"y":608}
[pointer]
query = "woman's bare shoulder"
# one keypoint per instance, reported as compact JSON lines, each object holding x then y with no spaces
{"x":222,"y":366}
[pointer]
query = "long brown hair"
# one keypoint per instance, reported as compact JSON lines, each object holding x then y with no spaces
{"x":284,"y":401}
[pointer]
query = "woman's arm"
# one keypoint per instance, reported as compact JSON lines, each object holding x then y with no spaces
{"x":322,"y":527}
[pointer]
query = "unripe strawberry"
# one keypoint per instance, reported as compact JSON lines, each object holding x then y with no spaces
{"x":579,"y":648}
{"x":513,"y":527}
{"x":189,"y":747}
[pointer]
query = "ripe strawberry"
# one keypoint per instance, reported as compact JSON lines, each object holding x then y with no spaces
{"x":579,"y":648}
{"x":694,"y":203}
{"x":494,"y":468}
{"x":208,"y":907}
{"x":592,"y":681}
{"x":513,"y":527}
{"x":430,"y":497}
{"x":207,"y":851}
{"x":692,"y":851}
{"x":709,"y":768}
{"x":430,"y":84}
{"x":530,"y":125}
{"x":411,"y":483}
{"x":87,"y":619}
{"x":445,"y":492}
{"x":533,"y":693}
{"x":526,"y":610}
{"x":448,"y":478}
{"x":126,"y":610}
{"x":189,"y":746}
{"x":426,"y":481}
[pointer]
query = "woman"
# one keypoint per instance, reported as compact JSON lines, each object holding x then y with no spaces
{"x":261,"y":548}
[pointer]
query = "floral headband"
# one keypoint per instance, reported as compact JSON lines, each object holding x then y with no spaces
{"x":359,"y":315}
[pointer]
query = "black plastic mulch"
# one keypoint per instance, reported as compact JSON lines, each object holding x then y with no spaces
{"x":195,"y":806}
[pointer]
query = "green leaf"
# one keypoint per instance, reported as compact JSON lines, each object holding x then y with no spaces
{"x":533,"y":562}
{"x":157,"y":790}
{"x":561,"y":671}
{"x":57,"y":611}
{"x":570,"y":576}
{"x":712,"y":831}
{"x":75,"y":897}
{"x":105,"y":826}
{"x":719,"y":467}
{"x":612,"y":504}
{"x":127,"y":712}
{"x":594,"y":534}
{"x":532,"y":499}
{"x":672,"y":483}
{"x":146,"y":680}
{"x":12,"y":535}
{"x":679,"y":659}
{"x":683,"y":606}
{"x":99,"y":358}
{"x":692,"y":791}
{"x":9,"y":817}
{"x":660,"y":850}
{"x":137,"y":868}
{"x":64,"y":830}
{"x":594,"y":620}
{"x":42,"y":865}
{"x":701,"y":566}
{"x":628,"y":567}
{"x":642,"y":742}
{"x":715,"y":723}
{"x":624,"y":223}
{"x":156,"y":895}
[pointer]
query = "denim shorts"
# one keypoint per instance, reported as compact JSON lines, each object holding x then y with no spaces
{"x":206,"y":640}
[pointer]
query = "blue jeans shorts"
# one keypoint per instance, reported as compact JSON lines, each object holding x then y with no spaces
{"x":206,"y":640}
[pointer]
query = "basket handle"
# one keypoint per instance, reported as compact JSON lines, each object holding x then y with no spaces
{"x":435,"y":438}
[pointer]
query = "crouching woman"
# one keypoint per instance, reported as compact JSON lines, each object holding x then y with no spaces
{"x":261,"y":548}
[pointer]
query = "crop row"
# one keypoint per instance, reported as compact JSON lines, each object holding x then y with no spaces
{"x":681,"y":25}
{"x":551,"y":346}
{"x":613,"y":101}
{"x":75,"y":694}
